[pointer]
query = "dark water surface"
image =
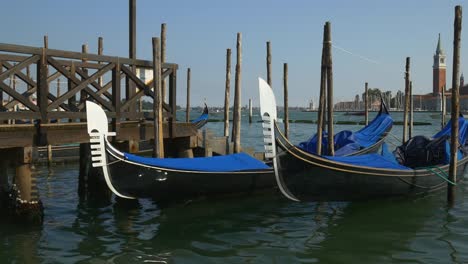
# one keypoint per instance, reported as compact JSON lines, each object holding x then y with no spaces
{"x":256,"y":229}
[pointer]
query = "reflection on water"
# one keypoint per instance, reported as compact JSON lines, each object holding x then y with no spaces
{"x":257,"y":229}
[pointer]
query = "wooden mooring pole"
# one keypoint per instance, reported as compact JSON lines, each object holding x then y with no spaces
{"x":331,"y":143}
{"x":187,"y":111}
{"x":411,"y":113}
{"x":237,"y":97}
{"x":227,"y":92}
{"x":444,"y":108}
{"x":158,"y":150}
{"x":407,"y":100}
{"x":163,"y":60}
{"x":366,"y":103}
{"x":268,"y":63}
{"x":250,"y":111}
{"x":285,"y":98}
{"x":321,"y":108}
{"x":455,"y":105}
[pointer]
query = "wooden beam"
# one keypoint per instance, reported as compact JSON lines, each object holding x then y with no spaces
{"x":79,"y":56}
{"x":187,"y":107}
{"x":80,"y":85}
{"x":18,"y":67}
{"x":237,"y":96}
{"x":285,"y":98}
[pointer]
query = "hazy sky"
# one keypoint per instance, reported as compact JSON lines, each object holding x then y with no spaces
{"x":371,"y":39}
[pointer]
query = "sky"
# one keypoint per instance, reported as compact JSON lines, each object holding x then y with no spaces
{"x":371,"y":40}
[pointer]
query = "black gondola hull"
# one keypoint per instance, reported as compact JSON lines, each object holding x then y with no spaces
{"x":160,"y":184}
{"x":310,"y":177}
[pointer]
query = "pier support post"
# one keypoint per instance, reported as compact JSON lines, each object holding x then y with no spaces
{"x":24,"y":201}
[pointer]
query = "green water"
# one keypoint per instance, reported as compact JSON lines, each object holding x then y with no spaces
{"x":251,"y":229}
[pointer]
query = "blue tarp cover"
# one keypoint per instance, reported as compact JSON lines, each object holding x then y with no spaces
{"x":200,"y":118}
{"x":369,"y":160}
{"x":347,"y":142}
{"x":386,"y":159}
{"x":234,"y":162}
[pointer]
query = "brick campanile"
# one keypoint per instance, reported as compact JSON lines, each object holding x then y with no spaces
{"x":438,"y":70}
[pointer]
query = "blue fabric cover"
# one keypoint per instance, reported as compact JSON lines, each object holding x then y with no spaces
{"x":347,"y":142}
{"x":200,"y":118}
{"x":369,"y":160}
{"x":386,"y":159}
{"x":234,"y":162}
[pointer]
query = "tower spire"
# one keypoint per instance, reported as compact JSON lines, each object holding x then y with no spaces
{"x":439,"y":49}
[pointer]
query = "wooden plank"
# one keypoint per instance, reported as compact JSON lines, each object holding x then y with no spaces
{"x":268,"y":62}
{"x":17,"y":96}
{"x":80,"y":85}
{"x":79,"y":56}
{"x":95,"y":84}
{"x":163,"y":60}
{"x":18,"y":67}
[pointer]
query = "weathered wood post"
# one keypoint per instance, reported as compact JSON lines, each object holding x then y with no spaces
{"x":163,"y":60}
{"x":237,"y":96}
{"x":285,"y":98}
{"x":268,"y":63}
{"x":331,"y":143}
{"x":28,"y":207}
{"x":250,"y":111}
{"x":84,"y":51}
{"x":411,"y":113}
{"x":455,"y":105}
{"x":70,"y":86}
{"x":42,"y":91}
{"x":366,"y":104}
{"x":444,"y":108}
{"x":407,"y":100}
{"x":158,"y":150}
{"x":100,"y":52}
{"x":129,"y":85}
{"x":323,"y":84}
{"x":227,"y":92}
{"x":187,"y":111}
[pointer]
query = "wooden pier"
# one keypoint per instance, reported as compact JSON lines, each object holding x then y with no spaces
{"x":48,"y":116}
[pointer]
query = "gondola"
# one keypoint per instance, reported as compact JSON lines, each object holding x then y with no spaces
{"x":301,"y":176}
{"x":202,"y":119}
{"x":171,"y":179}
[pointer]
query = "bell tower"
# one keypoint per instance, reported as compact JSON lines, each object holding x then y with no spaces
{"x":438,"y":70}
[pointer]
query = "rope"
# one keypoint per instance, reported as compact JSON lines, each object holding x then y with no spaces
{"x":442,"y":174}
{"x":397,"y":138}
